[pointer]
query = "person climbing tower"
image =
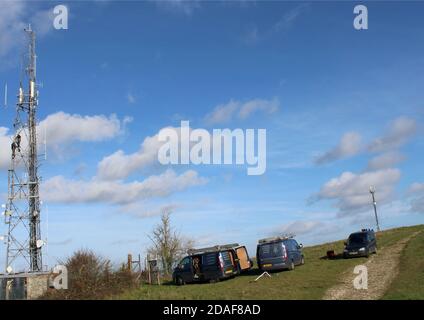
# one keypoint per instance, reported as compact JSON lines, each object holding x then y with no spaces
{"x":18,"y":142}
{"x":16,"y":145}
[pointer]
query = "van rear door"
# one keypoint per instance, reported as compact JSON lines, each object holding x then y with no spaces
{"x":271,"y":254}
{"x":228,"y":264}
{"x":243,"y":258}
{"x":210,"y":266}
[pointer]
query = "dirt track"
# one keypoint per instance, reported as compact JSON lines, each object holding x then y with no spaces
{"x":382,"y":269}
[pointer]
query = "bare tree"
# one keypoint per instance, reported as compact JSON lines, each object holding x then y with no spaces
{"x":168,"y":245}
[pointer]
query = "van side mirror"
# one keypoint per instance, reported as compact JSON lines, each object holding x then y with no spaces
{"x":345,"y":243}
{"x":300,"y":246}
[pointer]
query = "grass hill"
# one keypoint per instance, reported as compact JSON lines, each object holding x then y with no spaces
{"x":310,"y":281}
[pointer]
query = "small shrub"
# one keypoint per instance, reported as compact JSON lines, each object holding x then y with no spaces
{"x":91,"y":277}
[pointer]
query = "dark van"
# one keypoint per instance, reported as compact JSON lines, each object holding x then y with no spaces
{"x":279,"y":253}
{"x":360,"y":244}
{"x":212,"y":264}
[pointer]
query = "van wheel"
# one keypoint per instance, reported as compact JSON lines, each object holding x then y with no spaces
{"x":179,"y":281}
{"x":302,"y":262}
{"x":291,"y":266}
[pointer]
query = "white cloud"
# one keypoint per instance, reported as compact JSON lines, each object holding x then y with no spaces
{"x":5,"y":142}
{"x":398,"y":133}
{"x":416,"y":187}
{"x":120,"y":165}
{"x":14,"y":17}
{"x":11,"y":25}
{"x":417,"y":204}
{"x":80,"y":169}
{"x":385,"y":160}
{"x":223,"y":113}
{"x":62,"y":190}
{"x":62,"y":128}
{"x":349,"y":145}
{"x":226,"y":112}
{"x":417,"y":201}
{"x":42,"y":22}
{"x":351,"y":191}
{"x":252,"y":106}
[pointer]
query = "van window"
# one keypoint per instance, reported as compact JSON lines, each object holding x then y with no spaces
{"x":295,"y":244}
{"x":271,"y":250}
{"x":289,"y":244}
{"x":226,"y":258}
{"x":185,"y":263}
{"x":210,"y":259}
{"x":357,"y":238}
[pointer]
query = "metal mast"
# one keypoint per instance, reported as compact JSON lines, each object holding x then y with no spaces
{"x":22,"y":213}
{"x":372,"y":191}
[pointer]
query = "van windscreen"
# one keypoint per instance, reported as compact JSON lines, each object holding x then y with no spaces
{"x":271,"y":250}
{"x":358,"y":238}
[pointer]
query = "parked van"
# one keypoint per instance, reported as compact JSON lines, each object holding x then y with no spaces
{"x":279,"y":253}
{"x":360,"y":244}
{"x":212,"y":264}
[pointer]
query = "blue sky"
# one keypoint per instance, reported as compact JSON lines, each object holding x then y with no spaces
{"x":343,"y":110}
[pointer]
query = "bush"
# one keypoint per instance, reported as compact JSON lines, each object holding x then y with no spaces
{"x":91,"y":277}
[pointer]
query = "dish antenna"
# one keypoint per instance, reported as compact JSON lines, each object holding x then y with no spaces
{"x":40,"y":243}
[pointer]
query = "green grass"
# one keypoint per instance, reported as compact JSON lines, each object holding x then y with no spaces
{"x":305,"y":282}
{"x":409,"y":283}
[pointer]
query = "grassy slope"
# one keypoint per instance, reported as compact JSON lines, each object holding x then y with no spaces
{"x":305,"y":282}
{"x":410,"y":282}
